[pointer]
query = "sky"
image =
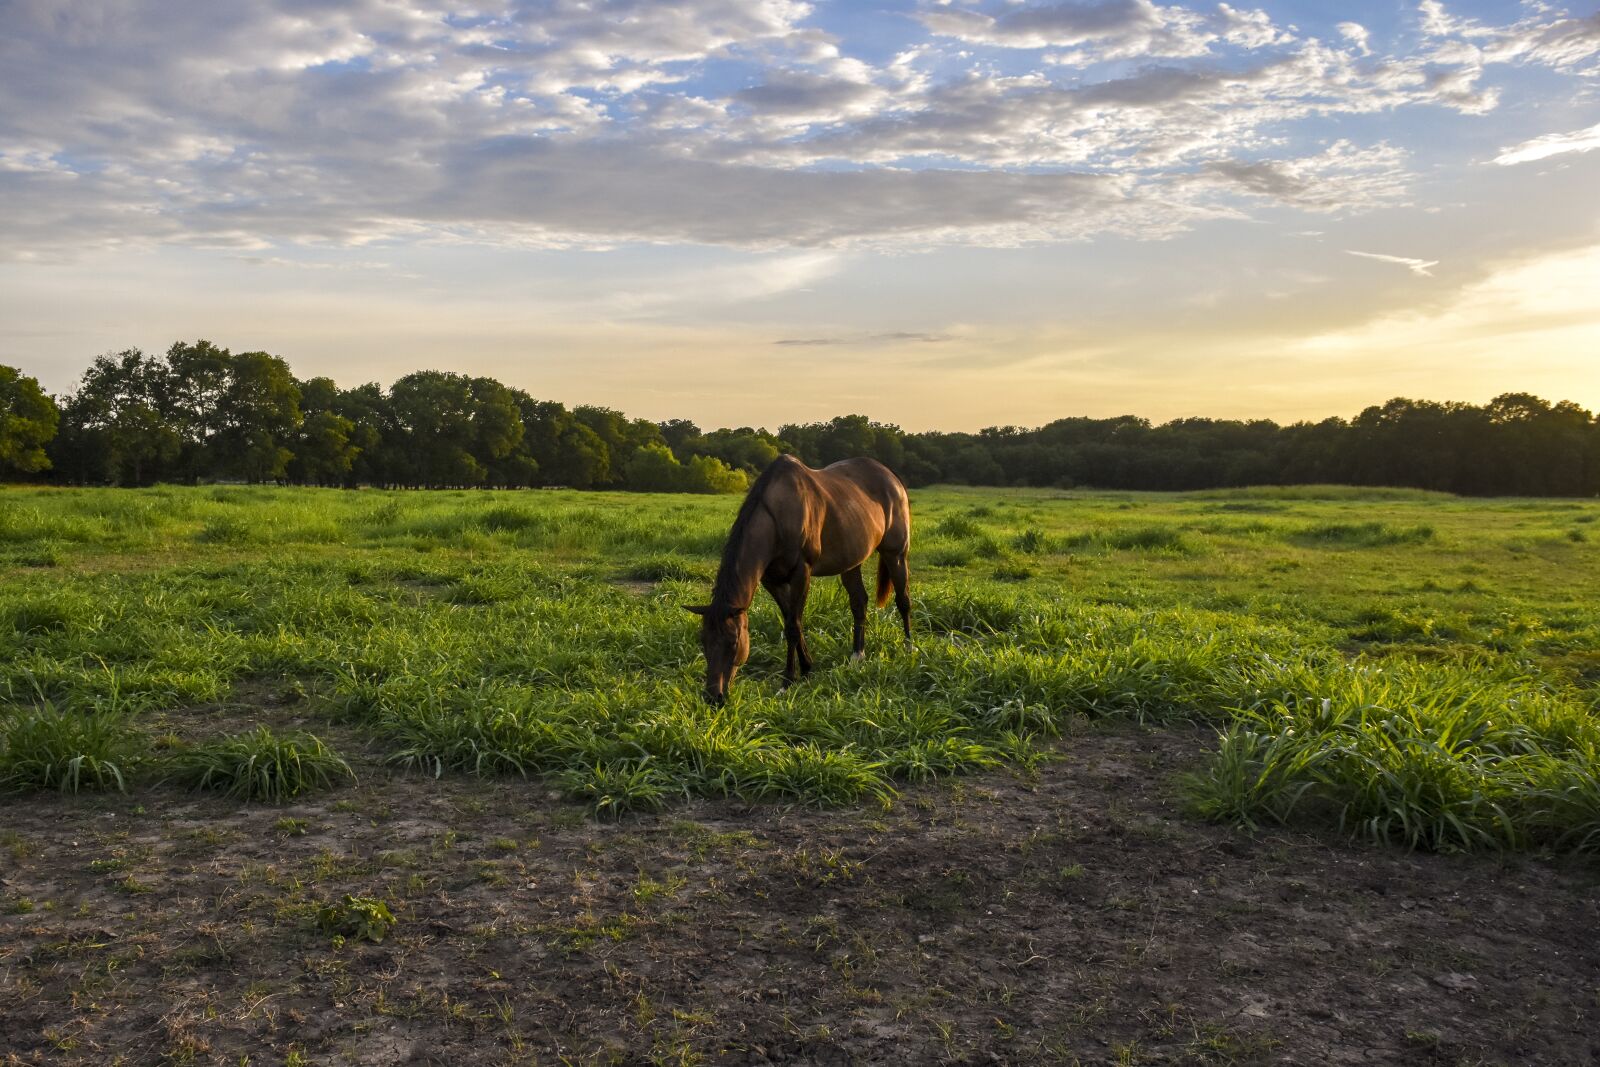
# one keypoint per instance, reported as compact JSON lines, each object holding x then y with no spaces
{"x":945,"y":214}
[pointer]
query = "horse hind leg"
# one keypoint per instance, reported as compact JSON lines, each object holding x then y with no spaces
{"x":899,"y":577}
{"x":857,"y":591}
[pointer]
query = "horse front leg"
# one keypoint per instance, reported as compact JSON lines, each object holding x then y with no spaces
{"x":799,"y":591}
{"x":780,"y":593}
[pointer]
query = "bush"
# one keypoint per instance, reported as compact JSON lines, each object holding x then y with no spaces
{"x":703,"y":474}
{"x":654,"y":468}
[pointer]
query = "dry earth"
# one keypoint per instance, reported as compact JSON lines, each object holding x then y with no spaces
{"x":1073,"y":915}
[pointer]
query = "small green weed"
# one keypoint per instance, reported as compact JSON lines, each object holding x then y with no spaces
{"x":356,"y":918}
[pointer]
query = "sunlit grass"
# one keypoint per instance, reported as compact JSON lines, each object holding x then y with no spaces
{"x":541,"y":633}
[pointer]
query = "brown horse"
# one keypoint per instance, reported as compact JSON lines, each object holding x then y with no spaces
{"x":796,"y":524}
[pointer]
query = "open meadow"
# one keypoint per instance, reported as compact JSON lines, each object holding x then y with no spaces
{"x":1270,"y":775}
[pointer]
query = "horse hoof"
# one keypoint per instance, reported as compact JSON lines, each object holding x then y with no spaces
{"x":857,"y":657}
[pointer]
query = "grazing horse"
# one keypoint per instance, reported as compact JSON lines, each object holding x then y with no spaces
{"x":796,"y":524}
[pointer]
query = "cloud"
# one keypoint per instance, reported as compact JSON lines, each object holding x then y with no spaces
{"x":693,"y":291}
{"x":1416,"y":266}
{"x":1552,"y":144}
{"x":797,"y":93}
{"x":558,"y":191}
{"x":1340,"y":178}
{"x":1357,"y":35}
{"x":896,"y":337}
{"x":1540,"y":305}
{"x":1116,"y":28}
{"x":263,"y":123}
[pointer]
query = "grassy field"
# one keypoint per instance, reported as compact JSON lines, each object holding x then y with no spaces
{"x":320,"y":778}
{"x":1414,"y":668}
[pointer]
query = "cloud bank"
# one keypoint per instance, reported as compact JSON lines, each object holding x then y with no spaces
{"x":749,"y":123}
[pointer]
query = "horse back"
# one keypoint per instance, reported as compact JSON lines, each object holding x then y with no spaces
{"x":855,"y":507}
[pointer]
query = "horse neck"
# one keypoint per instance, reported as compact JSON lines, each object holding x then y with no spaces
{"x":743,"y":563}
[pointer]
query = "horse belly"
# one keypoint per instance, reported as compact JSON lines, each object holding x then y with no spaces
{"x":842,"y":550}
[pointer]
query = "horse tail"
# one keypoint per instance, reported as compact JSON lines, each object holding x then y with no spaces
{"x":883,"y":579}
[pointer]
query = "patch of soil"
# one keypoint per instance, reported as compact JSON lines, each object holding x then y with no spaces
{"x":636,"y":586}
{"x":1073,"y":916}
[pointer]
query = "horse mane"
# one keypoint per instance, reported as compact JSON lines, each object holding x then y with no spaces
{"x":722,"y":591}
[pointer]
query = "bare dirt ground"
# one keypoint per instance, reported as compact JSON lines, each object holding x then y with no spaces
{"x":1075,"y":915}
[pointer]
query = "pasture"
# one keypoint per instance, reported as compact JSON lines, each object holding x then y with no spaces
{"x":1231,"y":776}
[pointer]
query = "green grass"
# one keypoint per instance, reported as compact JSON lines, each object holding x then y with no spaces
{"x":1456,"y":644}
{"x":46,"y":748}
{"x":260,"y":765}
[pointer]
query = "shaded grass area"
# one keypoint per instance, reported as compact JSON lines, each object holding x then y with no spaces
{"x":1436,"y":688}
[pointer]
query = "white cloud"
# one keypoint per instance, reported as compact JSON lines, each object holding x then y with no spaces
{"x":1357,"y":35}
{"x":261,"y":123}
{"x":1553,"y":144}
{"x":759,"y":279}
{"x":1341,"y":178}
{"x":1416,"y":266}
{"x":1118,"y":27}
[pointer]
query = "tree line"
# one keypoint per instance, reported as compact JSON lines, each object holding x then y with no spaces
{"x":202,"y":413}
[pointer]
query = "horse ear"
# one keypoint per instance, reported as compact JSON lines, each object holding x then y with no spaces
{"x":698,"y":609}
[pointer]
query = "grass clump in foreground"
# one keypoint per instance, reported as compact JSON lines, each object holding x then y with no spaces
{"x":487,"y":633}
{"x":260,"y":765}
{"x":67,"y":751}
{"x":1435,"y":760}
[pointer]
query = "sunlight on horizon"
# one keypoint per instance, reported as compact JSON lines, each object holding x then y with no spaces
{"x":942,"y":215}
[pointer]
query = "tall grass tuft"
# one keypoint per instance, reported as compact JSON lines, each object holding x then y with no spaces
{"x":1166,"y":539}
{"x":618,"y":788}
{"x":64,"y":750}
{"x":1458,"y":766}
{"x":260,"y":765}
{"x":1362,"y":534}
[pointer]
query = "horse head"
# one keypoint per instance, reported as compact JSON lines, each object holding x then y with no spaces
{"x":725,"y":640}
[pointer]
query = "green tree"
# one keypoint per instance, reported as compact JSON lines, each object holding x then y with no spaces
{"x":621,"y":436}
{"x":743,"y":449}
{"x":257,"y":417}
{"x":116,"y":427}
{"x":433,"y":411}
{"x":196,"y":384}
{"x":582,"y":460}
{"x":324,"y":453}
{"x":28,"y":421}
{"x":496,"y":422}
{"x":373,"y":433}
